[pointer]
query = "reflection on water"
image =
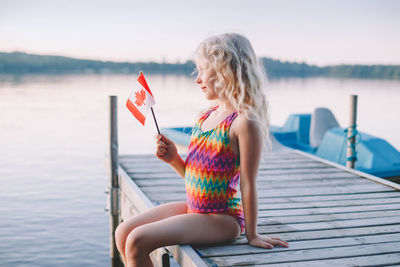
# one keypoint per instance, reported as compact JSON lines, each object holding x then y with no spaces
{"x":54,"y":136}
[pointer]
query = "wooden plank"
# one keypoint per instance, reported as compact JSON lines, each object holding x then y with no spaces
{"x":361,"y":174}
{"x":274,"y":177}
{"x":311,"y":226}
{"x":143,"y":167}
{"x":273,"y":256}
{"x":301,"y":162}
{"x":140,"y":162}
{"x":281,"y":155}
{"x":340,"y":215}
{"x":334,"y":197}
{"x":162,"y":198}
{"x":229,"y":250}
{"x":387,"y":259}
{"x":349,"y":189}
{"x":269,"y":171}
{"x":264,"y":183}
{"x":287,"y":160}
{"x":290,"y":165}
{"x":320,"y":204}
{"x":309,"y":191}
{"x":323,"y":204}
{"x":135,"y":194}
{"x":183,"y":254}
{"x":272,"y":174}
{"x":162,"y":167}
{"x":337,"y":197}
{"x":332,"y":174}
{"x":304,"y":172}
{"x":327,"y":217}
{"x":270,"y":156}
{"x":170,"y":183}
{"x":331,"y":233}
{"x":150,"y":175}
{"x":127,"y":208}
{"x":279,"y":175}
{"x":164,"y":189}
{"x":327,"y":210}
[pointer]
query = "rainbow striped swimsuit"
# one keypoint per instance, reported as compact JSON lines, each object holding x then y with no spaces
{"x":212,"y":171}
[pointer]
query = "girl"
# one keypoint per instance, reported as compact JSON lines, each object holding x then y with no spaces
{"x":226,"y":144}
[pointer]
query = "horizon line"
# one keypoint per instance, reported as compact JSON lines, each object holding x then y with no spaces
{"x":185,"y":61}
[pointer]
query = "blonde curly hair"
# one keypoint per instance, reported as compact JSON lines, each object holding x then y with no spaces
{"x":239,"y":76}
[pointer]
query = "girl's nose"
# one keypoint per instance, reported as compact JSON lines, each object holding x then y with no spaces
{"x":198,"y":80}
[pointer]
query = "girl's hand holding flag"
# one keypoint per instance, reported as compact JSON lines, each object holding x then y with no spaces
{"x":166,"y":149}
{"x":167,"y":152}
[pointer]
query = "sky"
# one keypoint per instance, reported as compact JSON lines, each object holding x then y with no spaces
{"x":316,"y":32}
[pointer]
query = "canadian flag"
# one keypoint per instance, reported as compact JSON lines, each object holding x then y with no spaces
{"x":140,"y":100}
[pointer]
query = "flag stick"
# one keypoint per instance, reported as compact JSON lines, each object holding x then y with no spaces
{"x":158,"y":130}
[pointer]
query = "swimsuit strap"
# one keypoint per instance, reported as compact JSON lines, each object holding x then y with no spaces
{"x":229,"y":120}
{"x":226,"y":123}
{"x":205,"y":116}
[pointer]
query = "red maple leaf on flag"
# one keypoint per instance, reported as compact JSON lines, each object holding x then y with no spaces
{"x":140,"y":98}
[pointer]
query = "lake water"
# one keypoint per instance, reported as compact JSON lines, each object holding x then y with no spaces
{"x":54,"y":141}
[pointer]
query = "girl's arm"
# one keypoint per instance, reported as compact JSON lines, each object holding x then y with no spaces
{"x":250,"y":148}
{"x":167,"y":152}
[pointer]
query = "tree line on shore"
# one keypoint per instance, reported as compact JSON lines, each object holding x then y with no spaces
{"x":19,"y":63}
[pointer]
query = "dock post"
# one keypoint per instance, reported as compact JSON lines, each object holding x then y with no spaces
{"x":113,"y":186}
{"x":351,"y":136}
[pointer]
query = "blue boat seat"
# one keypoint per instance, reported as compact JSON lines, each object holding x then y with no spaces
{"x":322,"y":120}
{"x":295,"y":133}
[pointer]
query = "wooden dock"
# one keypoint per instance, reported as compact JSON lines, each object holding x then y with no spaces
{"x":329,"y":214}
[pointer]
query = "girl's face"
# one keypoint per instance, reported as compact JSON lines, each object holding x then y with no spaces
{"x":206,"y":79}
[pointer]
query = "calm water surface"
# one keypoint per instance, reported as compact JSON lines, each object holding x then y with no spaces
{"x":54,"y":141}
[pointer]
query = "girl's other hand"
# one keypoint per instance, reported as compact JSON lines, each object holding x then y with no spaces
{"x":166,"y":149}
{"x":267,"y":242}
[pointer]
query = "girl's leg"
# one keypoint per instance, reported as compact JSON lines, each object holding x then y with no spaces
{"x":154,"y":214}
{"x":179,"y":229}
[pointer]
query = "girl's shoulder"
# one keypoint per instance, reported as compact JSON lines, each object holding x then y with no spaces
{"x":244,"y":129}
{"x":246,"y":125}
